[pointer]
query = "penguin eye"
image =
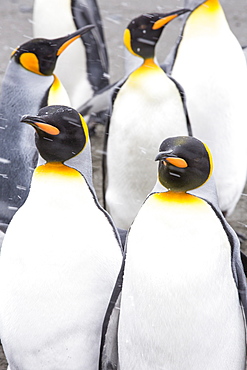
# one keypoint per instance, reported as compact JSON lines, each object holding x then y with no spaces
{"x":49,"y":56}
{"x":142,"y":27}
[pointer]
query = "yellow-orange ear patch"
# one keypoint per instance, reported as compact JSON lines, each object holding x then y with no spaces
{"x":66,"y":44}
{"x":127,"y":41}
{"x":85,"y":127}
{"x":178,"y":162}
{"x":211,"y":162}
{"x":163,"y":21}
{"x":30,"y":62}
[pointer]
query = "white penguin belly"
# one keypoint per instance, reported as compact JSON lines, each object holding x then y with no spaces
{"x":180,"y":307}
{"x":216,"y":101}
{"x":146,"y":111}
{"x":58,"y":267}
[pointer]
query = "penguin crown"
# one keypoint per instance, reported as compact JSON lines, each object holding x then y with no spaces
{"x":185,"y":163}
{"x":143,"y":32}
{"x":61,"y":132}
{"x":40,"y":55}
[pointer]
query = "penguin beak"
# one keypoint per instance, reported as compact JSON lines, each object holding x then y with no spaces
{"x":166,"y":18}
{"x":63,"y":42}
{"x":38,"y":123}
{"x":166,"y":157}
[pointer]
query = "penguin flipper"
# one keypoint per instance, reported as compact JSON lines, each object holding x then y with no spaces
{"x":183,"y":99}
{"x":123,"y":235}
{"x":109,"y":340}
{"x":3,"y":227}
{"x":109,"y":353}
{"x":101,"y":101}
{"x":239,"y":260}
{"x":244,"y":262}
{"x":238,"y":257}
{"x":113,"y":96}
{"x":84,"y":13}
{"x":208,"y":193}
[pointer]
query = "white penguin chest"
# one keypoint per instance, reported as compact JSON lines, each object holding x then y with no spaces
{"x":59,"y":263}
{"x":179,"y":299}
{"x":216,"y":101}
{"x":147,"y":109}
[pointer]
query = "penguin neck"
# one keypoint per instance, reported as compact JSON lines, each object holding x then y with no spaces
{"x":177,"y":197}
{"x":148,"y":66}
{"x":56,"y":168}
{"x":57,"y":93}
{"x":149,"y":63}
{"x":209,"y":15}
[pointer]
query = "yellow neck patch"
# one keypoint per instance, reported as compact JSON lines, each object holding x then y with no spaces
{"x":210,"y":6}
{"x":56,"y":169}
{"x":58,"y":94}
{"x":210,"y":11}
{"x":148,"y":66}
{"x":173,"y":197}
{"x":30,"y":62}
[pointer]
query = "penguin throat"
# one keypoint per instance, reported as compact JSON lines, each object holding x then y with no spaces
{"x":149,"y":62}
{"x":149,"y":65}
{"x":56,"y":169}
{"x":208,"y":15}
{"x":177,"y":197}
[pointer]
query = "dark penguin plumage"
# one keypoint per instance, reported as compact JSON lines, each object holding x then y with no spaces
{"x":148,"y":105}
{"x":70,"y":251}
{"x":28,"y":84}
{"x":60,"y":125}
{"x":180,"y":300}
{"x":87,"y":57}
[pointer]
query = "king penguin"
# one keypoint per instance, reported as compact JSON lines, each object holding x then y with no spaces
{"x":87,"y":56}
{"x":184,"y":298}
{"x":210,"y":65}
{"x":59,"y":259}
{"x":147,"y":106}
{"x":28,"y":85}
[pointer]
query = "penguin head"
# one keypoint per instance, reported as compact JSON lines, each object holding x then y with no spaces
{"x":185,"y":163}
{"x":61,"y":132}
{"x":40,"y":55}
{"x":143,"y":32}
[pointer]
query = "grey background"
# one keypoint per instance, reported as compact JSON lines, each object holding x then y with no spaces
{"x":16,"y":28}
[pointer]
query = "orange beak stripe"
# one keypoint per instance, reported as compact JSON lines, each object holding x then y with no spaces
{"x":49,"y":129}
{"x":66,"y":44}
{"x":178,"y":162}
{"x":163,"y":21}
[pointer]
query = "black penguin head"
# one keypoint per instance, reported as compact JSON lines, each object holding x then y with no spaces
{"x":61,"y":132}
{"x":40,"y":55}
{"x":143,"y":32}
{"x":185,"y":163}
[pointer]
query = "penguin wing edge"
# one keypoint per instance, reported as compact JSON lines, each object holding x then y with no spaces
{"x":108,"y":359}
